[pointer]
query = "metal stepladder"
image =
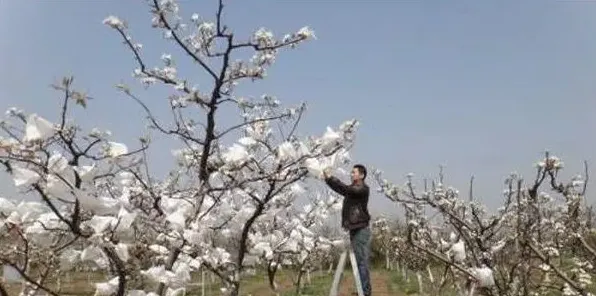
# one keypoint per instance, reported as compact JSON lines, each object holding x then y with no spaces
{"x":341,"y":266}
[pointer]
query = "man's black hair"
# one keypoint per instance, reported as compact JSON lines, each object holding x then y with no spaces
{"x":361,"y":169}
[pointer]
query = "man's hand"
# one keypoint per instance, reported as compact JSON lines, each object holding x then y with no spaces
{"x":326,"y":173}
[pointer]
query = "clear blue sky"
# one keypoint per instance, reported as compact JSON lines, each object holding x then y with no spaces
{"x":483,"y":87}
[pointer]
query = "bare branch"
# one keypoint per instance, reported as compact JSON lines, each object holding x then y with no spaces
{"x":182,"y":45}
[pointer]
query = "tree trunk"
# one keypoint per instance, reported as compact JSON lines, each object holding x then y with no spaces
{"x":420,"y":283}
{"x":298,"y":282}
{"x":202,"y":282}
{"x":472,"y":289}
{"x":387,"y":263}
{"x":271,"y":270}
{"x":404,"y":274}
{"x":430,"y":274}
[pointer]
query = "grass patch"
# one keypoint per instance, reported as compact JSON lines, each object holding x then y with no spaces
{"x":397,"y":283}
{"x":82,"y":284}
{"x":319,"y":285}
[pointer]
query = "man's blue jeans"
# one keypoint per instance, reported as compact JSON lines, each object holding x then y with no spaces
{"x":360,"y":240}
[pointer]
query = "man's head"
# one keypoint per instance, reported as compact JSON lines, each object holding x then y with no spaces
{"x":358,"y":173}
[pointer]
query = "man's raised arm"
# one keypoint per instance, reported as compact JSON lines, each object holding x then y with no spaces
{"x":338,"y":186}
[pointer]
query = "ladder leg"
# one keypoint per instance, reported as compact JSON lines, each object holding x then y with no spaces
{"x":341,"y":265}
{"x":356,"y":272}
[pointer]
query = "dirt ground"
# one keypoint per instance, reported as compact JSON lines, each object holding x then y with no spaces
{"x":379,"y":284}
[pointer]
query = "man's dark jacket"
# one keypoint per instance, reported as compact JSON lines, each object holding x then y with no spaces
{"x":354,"y":212}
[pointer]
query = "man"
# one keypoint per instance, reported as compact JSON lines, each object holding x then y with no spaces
{"x":355,"y":218}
